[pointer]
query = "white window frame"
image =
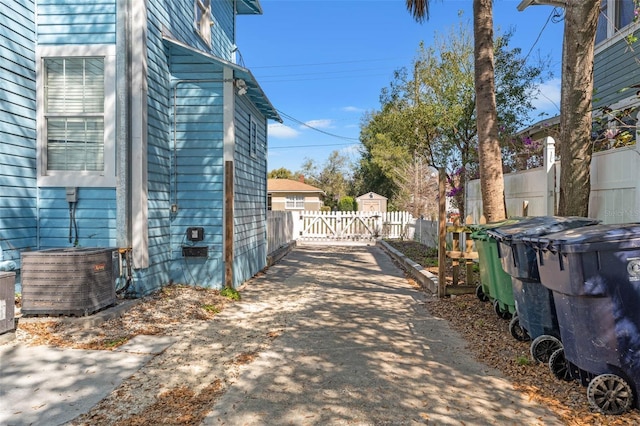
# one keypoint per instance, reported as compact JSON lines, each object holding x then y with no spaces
{"x":614,"y":34}
{"x":294,"y":202}
{"x":202,"y":20}
{"x":107,"y":176}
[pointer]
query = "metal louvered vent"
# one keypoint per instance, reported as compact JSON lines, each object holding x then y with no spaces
{"x":71,"y":281}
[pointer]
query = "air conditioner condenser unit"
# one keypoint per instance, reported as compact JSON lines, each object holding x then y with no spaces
{"x":69,"y":281}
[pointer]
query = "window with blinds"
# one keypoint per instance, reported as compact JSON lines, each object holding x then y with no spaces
{"x":74,"y":99}
{"x":76,"y":115}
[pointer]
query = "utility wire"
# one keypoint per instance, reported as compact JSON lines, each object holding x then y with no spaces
{"x":322,"y":63}
{"x":555,"y":15}
{"x":271,"y":148}
{"x":302,"y":123}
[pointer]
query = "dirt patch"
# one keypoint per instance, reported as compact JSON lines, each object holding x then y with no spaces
{"x":490,"y":342}
{"x":177,"y":387}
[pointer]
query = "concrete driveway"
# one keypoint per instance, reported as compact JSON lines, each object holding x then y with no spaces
{"x":360,"y":348}
{"x":353,"y":344}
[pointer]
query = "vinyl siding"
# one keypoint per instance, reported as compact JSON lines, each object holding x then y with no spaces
{"x":250,"y":207}
{"x":158,"y":152}
{"x":616,"y":69}
{"x":76,"y":21}
{"x":18,"y":196}
{"x":95,"y":218}
{"x":198,"y":159}
{"x":199,"y":168}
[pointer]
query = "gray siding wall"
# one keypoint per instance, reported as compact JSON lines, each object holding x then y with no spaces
{"x":250,"y":215}
{"x":615,"y":69}
{"x":18,"y":227}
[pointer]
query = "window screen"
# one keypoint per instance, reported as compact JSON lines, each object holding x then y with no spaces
{"x":74,"y":113}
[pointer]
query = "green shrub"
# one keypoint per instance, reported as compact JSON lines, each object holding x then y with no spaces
{"x":347,"y":204}
{"x":230,"y":293}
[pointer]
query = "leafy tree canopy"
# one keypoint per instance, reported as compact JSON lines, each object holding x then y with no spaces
{"x":428,"y":111}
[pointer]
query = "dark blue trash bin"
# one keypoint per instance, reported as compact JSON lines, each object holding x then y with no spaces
{"x":536,"y":312}
{"x":594,"y":275}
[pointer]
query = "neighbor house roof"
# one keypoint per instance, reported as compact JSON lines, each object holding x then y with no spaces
{"x":289,"y":185}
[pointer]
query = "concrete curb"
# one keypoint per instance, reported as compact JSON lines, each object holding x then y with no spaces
{"x":427,"y":280}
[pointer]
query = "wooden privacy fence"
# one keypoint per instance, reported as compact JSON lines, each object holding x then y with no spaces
{"x":353,"y":226}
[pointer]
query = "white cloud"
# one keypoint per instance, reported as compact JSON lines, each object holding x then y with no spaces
{"x":352,"y":109}
{"x":548,"y":99}
{"x":278,"y":130}
{"x":318,"y":124}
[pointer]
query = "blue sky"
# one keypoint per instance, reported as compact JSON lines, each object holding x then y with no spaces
{"x":323,"y":63}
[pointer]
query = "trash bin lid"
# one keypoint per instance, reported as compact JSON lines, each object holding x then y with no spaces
{"x":538,"y":226}
{"x":611,"y":237}
{"x":479,"y":231}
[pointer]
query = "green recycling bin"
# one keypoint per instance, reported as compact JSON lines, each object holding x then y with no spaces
{"x":495,"y":283}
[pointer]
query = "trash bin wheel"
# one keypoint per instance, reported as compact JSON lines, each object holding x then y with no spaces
{"x":610,"y":394}
{"x":516,"y":330}
{"x":481,"y":294}
{"x":559,"y":365}
{"x":502,"y":313}
{"x":543,"y":346}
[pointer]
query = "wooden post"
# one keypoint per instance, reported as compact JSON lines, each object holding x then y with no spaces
{"x":228,"y":224}
{"x":442,"y":233}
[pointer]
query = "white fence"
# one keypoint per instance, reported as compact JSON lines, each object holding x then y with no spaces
{"x":284,"y":227}
{"x":280,"y":229}
{"x":615,"y":187}
{"x":354,"y":226}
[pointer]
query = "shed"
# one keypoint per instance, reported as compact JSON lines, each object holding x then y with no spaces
{"x":372,"y":202}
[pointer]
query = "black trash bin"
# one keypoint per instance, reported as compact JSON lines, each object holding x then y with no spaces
{"x":536,"y":313}
{"x":594,"y":275}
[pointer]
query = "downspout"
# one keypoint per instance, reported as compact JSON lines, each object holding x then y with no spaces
{"x":123,"y":126}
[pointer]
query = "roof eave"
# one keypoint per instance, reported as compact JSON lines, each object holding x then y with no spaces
{"x":254,"y":91}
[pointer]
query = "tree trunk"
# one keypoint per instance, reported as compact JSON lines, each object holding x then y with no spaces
{"x":491,"y":179}
{"x":581,"y":19}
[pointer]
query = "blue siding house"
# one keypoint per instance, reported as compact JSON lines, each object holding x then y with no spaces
{"x":616,"y":69}
{"x":129,"y":124}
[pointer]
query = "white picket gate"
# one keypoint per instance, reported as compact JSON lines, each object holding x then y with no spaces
{"x":353,"y":226}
